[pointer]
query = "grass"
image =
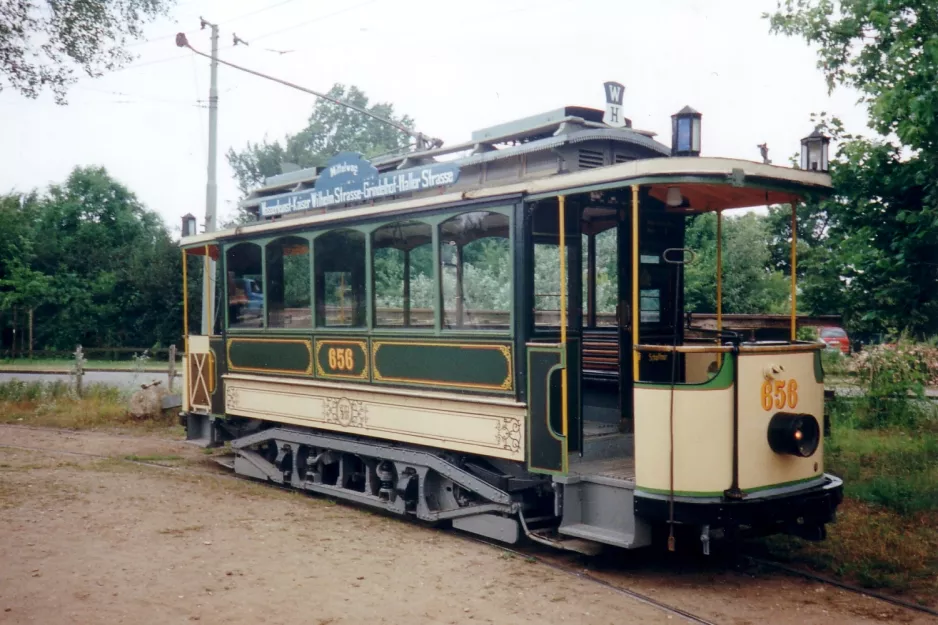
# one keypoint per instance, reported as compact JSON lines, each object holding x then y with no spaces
{"x":54,"y":404}
{"x":66,"y":364}
{"x":886,"y":534}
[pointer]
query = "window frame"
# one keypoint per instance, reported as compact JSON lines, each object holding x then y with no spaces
{"x":438,"y":220}
{"x":312,"y":295}
{"x":372,"y":307}
{"x":368,"y":325}
{"x":434,"y":219}
{"x":262,"y":244}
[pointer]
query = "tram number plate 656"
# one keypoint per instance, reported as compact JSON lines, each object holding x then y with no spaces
{"x":779,"y":393}
{"x":341,"y":359}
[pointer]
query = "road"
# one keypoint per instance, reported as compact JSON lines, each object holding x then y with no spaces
{"x":123,"y":379}
{"x":90,"y":538}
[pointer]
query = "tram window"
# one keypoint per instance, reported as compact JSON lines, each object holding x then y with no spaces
{"x":475,"y":253}
{"x":607,"y":277}
{"x":403,"y":275}
{"x":288,"y":283}
{"x":245,"y":286}
{"x":547,"y":283}
{"x":340,"y":278}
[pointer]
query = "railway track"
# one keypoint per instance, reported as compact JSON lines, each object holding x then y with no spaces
{"x":532,"y":552}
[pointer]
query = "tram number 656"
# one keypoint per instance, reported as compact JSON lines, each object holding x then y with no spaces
{"x":779,"y":393}
{"x":341,"y":359}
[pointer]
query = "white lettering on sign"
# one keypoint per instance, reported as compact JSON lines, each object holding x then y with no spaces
{"x":371,"y":189}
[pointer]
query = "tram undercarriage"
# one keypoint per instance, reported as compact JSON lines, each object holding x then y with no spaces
{"x":594,"y":506}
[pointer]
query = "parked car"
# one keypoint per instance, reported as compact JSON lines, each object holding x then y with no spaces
{"x":835,"y":338}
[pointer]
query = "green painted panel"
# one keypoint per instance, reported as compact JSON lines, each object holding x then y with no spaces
{"x":471,"y":366}
{"x":722,"y":380}
{"x":818,"y":367}
{"x":342,"y":358}
{"x":547,"y":451}
{"x":270,"y":355}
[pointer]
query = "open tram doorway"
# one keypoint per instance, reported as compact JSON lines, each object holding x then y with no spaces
{"x":600,"y":308}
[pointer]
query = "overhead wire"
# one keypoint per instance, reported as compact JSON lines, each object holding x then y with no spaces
{"x":226,"y":21}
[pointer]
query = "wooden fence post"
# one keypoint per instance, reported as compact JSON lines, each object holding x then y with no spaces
{"x":79,"y":369}
{"x":172,"y":366}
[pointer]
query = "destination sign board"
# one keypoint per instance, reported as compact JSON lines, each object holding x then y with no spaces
{"x":349,"y":178}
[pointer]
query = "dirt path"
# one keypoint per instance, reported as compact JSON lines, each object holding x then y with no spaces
{"x":88,"y":540}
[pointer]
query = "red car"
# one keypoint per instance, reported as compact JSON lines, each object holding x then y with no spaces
{"x":835,"y":338}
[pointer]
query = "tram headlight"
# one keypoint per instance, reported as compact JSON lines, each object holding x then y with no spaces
{"x":794,"y":434}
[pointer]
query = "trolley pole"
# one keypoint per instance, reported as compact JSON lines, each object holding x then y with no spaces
{"x":211,"y":186}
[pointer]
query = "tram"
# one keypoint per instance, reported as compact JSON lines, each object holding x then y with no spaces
{"x":492,"y":335}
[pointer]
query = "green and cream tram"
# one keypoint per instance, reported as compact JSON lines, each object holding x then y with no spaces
{"x":492,"y":334}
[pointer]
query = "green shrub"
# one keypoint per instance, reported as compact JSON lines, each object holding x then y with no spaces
{"x":834,"y":363}
{"x":893,"y":379}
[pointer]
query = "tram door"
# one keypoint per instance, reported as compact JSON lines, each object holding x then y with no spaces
{"x":554,"y":350}
{"x":660,"y":298}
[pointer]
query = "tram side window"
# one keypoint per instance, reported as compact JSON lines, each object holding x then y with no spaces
{"x":288,"y":283}
{"x":547,"y":283}
{"x":245,"y":285}
{"x":403,"y":275}
{"x":340,"y":279}
{"x":607,"y":277}
{"x":475,"y":252}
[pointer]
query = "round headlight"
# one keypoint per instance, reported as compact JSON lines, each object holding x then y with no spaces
{"x":794,"y":434}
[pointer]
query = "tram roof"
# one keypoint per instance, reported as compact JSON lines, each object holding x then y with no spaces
{"x":706,"y":184}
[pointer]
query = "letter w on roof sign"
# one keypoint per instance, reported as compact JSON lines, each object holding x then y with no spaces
{"x":615,"y":92}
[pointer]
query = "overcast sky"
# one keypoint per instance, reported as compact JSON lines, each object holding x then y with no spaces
{"x":453,"y":65}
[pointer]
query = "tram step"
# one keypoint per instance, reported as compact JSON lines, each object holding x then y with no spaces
{"x":579,"y":545}
{"x":595,"y":534}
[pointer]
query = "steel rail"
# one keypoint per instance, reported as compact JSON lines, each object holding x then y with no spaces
{"x":843,"y":585}
{"x":640,"y":597}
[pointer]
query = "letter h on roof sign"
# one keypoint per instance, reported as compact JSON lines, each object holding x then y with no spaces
{"x":615,"y":93}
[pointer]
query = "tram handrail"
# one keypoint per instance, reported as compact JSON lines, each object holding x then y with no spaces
{"x":686,"y":349}
{"x":745,"y":348}
{"x":757,"y":348}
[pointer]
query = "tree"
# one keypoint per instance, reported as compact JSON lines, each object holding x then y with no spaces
{"x":97,"y":267}
{"x":881,"y":238}
{"x":750,"y":283}
{"x":43,"y":44}
{"x":331,"y":128}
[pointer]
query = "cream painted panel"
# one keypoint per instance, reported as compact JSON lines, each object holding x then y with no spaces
{"x":198,"y":344}
{"x":703,"y":439}
{"x":460,"y":425}
{"x":759,"y":466}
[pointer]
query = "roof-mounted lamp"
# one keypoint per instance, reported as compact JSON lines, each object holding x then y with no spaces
{"x":814,"y":151}
{"x":674,"y":197}
{"x":190,"y":226}
{"x":685,"y":132}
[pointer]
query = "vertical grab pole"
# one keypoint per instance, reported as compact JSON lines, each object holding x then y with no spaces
{"x":719,"y":271}
{"x":208,"y":278}
{"x":635,"y":312}
{"x":719,"y":283}
{"x":794,"y":273}
{"x":185,"y":320}
{"x":561,"y":215}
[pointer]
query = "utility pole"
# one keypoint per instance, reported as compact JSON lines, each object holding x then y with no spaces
{"x":211,"y":186}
